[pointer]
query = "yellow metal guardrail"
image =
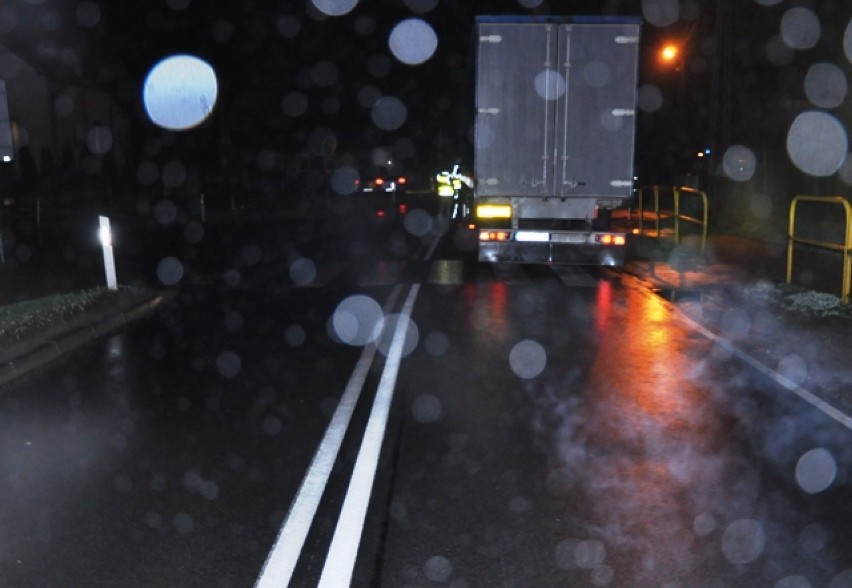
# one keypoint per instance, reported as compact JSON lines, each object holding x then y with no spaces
{"x":843,"y":248}
{"x":675,"y":214}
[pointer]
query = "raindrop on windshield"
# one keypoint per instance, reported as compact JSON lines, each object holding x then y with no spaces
{"x":826,"y":85}
{"x":778,"y":52}
{"x":170,"y":271}
{"x":800,"y":28}
{"x":813,"y":538}
{"x":739,"y":163}
{"x":334,"y":7}
{"x":426,"y":408}
{"x":343,"y":180}
{"x":550,"y":84}
{"x":438,"y":569}
{"x":793,"y":368}
{"x":661,"y":13}
{"x":303,"y":271}
{"x":228,"y":364}
{"x":649,"y":98}
{"x":421,"y":6}
{"x":436,"y":344}
{"x":816,"y":470}
{"x":357,"y":320}
{"x":528,"y":359}
{"x":817,"y":143}
{"x":179,"y":92}
{"x":389,"y":113}
{"x":418,"y":222}
{"x":392,"y":324}
{"x":413,"y":41}
{"x":743,"y":541}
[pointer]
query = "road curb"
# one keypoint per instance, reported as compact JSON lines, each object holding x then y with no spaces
{"x":67,"y":342}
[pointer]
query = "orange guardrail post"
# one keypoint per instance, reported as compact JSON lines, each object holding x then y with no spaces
{"x":843,"y":248}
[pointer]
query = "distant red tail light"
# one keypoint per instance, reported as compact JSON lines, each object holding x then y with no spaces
{"x":401,"y":180}
{"x":379,"y":181}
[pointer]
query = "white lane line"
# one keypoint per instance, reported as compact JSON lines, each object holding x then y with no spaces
{"x":818,"y":403}
{"x":340,"y":561}
{"x":278,"y":569}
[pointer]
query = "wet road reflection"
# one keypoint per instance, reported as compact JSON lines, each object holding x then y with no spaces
{"x":639,"y":454}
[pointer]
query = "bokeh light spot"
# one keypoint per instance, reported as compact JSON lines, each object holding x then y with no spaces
{"x":344,"y":180}
{"x":389,"y":113}
{"x":413,"y":41}
{"x":550,"y":84}
{"x":743,"y":541}
{"x":228,"y":364}
{"x":357,"y":320}
{"x":170,"y":271}
{"x":418,"y":222}
{"x":426,"y":408}
{"x":438,"y":569}
{"x":816,"y":470}
{"x":528,"y":359}
{"x":303,"y":271}
{"x":739,"y":163}
{"x":800,"y":28}
{"x":649,"y":98}
{"x":661,"y":13}
{"x":817,"y":143}
{"x":179,"y":92}
{"x":335,"y":7}
{"x":826,"y":85}
{"x":392,"y":323}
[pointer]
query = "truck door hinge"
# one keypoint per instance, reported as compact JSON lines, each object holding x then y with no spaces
{"x":620,"y":183}
{"x":489,"y":111}
{"x":490,"y":39}
{"x":627,"y":39}
{"x":623,"y":112}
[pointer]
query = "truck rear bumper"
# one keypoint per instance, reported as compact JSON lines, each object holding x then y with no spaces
{"x":551,"y":252}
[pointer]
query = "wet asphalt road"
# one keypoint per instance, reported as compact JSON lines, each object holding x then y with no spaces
{"x":546,"y":427}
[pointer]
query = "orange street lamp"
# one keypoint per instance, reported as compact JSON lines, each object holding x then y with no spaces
{"x":669,"y":53}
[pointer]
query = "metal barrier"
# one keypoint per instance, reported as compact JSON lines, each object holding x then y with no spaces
{"x":675,"y":214}
{"x":682,"y":217}
{"x":843,"y":248}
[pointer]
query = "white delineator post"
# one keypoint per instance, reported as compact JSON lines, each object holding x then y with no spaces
{"x":109,"y":261}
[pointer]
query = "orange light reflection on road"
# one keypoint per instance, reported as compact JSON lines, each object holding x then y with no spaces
{"x":487,"y":314}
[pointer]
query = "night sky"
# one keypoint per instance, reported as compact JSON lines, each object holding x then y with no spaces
{"x":269,"y":56}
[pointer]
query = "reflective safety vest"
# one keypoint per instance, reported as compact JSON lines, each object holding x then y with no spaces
{"x":447,"y":185}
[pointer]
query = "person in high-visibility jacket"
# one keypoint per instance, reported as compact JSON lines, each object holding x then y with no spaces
{"x":445,"y":184}
{"x":449,"y":184}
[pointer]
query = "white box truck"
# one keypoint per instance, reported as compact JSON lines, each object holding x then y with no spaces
{"x":554,"y":136}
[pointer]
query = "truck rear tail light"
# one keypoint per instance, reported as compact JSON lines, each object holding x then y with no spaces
{"x":494,"y":235}
{"x":401,"y":180}
{"x":494,"y":211}
{"x":610,"y":239}
{"x":403,"y":209}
